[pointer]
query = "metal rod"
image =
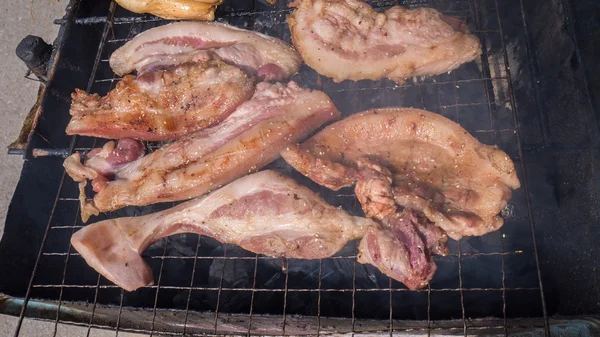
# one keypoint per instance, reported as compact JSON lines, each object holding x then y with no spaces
{"x":524,"y":177}
{"x":354,"y":281}
{"x":112,"y":84}
{"x":503,"y":288}
{"x":63,"y":153}
{"x":354,"y":294}
{"x":483,"y":326}
{"x":428,"y":309}
{"x":120,"y":312}
{"x":485,"y":68}
{"x":388,"y":87}
{"x":62,"y":282}
{"x":460,"y":279}
{"x":285,"y":292}
{"x":319,"y":298}
{"x":391,"y":307}
{"x":220,"y":288}
{"x":429,"y":283}
{"x":462,"y":296}
{"x":490,"y":97}
{"x":293,"y":289}
{"x":262,"y":257}
{"x":89,"y":329}
{"x":187,"y":305}
{"x":253,"y":293}
{"x":162,"y":263}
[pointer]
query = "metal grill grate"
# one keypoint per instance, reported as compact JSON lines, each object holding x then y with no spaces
{"x":482,"y":277}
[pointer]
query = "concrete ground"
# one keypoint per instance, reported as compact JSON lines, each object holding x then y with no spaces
{"x":17,"y":95}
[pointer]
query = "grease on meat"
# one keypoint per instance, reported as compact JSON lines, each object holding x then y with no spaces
{"x":266,"y":57}
{"x":174,"y":9}
{"x":402,"y":248}
{"x":164,"y":104}
{"x":435,"y":166}
{"x":265,"y":213}
{"x":246,"y":141}
{"x":348,"y":40}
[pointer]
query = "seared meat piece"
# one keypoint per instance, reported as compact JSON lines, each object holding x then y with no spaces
{"x":374,"y":189}
{"x":163,"y":104}
{"x":402,"y":248}
{"x":174,"y":9}
{"x":246,"y":141}
{"x":373,"y":182}
{"x":436,"y":167}
{"x":348,"y":40}
{"x":320,"y":169}
{"x":265,"y":213}
{"x":268,"y":58}
{"x":100,"y":164}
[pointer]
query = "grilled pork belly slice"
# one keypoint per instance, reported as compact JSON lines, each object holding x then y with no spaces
{"x":250,"y":138}
{"x":269,"y":58}
{"x":415,"y":159}
{"x":265,"y":213}
{"x":348,"y":40}
{"x":164,"y":104}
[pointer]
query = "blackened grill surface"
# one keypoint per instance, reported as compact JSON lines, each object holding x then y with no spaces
{"x":527,"y":94}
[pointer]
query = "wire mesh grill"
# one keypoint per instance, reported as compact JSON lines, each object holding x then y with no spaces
{"x":489,"y":276}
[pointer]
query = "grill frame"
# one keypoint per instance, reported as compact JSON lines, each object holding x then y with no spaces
{"x":110,"y":21}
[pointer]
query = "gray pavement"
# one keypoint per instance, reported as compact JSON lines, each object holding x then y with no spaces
{"x":17,"y":95}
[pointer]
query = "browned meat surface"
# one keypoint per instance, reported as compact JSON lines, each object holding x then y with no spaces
{"x":374,"y":189}
{"x":174,"y":9}
{"x":402,"y":248}
{"x":264,"y":212}
{"x":348,"y":40}
{"x":163,"y":104}
{"x":247,"y":140}
{"x":428,"y":163}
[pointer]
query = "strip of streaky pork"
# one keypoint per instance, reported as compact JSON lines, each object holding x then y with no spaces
{"x":415,"y":159}
{"x":265,"y":213}
{"x":348,"y":40}
{"x":268,"y":58}
{"x":250,"y":138}
{"x":163,"y":104}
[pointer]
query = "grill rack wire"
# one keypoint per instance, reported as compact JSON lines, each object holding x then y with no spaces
{"x":492,"y":83}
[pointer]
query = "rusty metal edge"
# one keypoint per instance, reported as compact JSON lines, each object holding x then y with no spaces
{"x":171,"y":321}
